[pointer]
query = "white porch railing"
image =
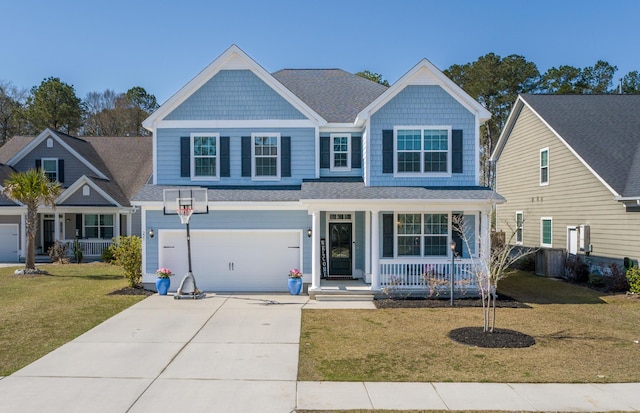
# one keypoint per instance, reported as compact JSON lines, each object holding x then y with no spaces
{"x":90,"y":247}
{"x":429,"y":274}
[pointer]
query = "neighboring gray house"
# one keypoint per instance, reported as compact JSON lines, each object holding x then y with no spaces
{"x":319,"y":170}
{"x":569,"y":167}
{"x":99,"y":176}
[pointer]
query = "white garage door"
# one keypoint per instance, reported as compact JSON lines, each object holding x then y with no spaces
{"x":232,"y":260}
{"x":8,"y":242}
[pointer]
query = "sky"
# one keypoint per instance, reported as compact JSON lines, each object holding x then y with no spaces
{"x":161,"y":45}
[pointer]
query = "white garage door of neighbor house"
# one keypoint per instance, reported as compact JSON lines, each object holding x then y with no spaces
{"x":232,"y":260}
{"x":8,"y":242}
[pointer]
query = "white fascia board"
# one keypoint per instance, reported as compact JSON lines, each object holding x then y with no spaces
{"x":233,"y":59}
{"x":341,"y":127}
{"x":396,"y":204}
{"x":564,"y":142}
{"x":425,"y":73}
{"x":41,"y":137}
{"x":223,"y":206}
{"x":13,"y":210}
{"x":219,"y":124}
{"x":77,"y":185}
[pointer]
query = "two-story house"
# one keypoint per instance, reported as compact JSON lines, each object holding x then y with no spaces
{"x":569,"y":166}
{"x":320,"y":170}
{"x":99,"y":175}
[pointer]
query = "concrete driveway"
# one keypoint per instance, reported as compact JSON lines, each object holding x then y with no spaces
{"x":222,"y":353}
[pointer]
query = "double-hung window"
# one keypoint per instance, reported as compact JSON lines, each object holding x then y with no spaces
{"x":266,"y":155}
{"x":98,"y":226}
{"x":546,"y":232}
{"x":340,"y":152}
{"x":205,"y":153}
{"x":519,"y":223}
{"x":423,"y":234}
{"x":544,"y":166}
{"x":423,"y":150}
{"x":50,"y":168}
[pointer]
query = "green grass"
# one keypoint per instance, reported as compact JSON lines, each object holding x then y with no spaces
{"x":40,"y":313}
{"x":581,"y":336}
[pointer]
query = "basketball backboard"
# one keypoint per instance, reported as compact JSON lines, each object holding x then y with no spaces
{"x":194,"y":198}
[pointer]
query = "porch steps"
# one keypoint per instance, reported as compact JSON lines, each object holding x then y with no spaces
{"x":342,"y":297}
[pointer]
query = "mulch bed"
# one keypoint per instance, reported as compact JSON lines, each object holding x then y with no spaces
{"x":132,"y":291}
{"x":503,"y":301}
{"x":500,"y":338}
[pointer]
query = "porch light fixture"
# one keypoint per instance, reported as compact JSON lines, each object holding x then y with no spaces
{"x":309,"y":232}
{"x":151,"y":233}
{"x":452,"y":245}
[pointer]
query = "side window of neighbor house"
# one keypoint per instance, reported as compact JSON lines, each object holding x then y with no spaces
{"x":544,"y":166}
{"x":546,"y":232}
{"x":519,"y":222}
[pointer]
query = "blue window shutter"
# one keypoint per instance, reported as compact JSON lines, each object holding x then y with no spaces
{"x":225,"y":167}
{"x":356,"y":152}
{"x":185,"y":156}
{"x":61,"y":171}
{"x":456,"y":151}
{"x":387,"y":235}
{"x":387,"y":151}
{"x":246,"y":156}
{"x":285,"y":160}
{"x":325,"y":152}
{"x":38,"y":163}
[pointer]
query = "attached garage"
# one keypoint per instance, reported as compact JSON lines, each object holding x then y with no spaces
{"x":9,"y":243}
{"x":243,"y":260}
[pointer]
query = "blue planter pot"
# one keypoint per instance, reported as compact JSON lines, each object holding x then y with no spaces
{"x":162,"y":285}
{"x":295,"y":286}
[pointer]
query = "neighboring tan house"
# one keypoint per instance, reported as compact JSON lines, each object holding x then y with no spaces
{"x":569,"y":167}
{"x":99,"y":175}
{"x":316,"y":169}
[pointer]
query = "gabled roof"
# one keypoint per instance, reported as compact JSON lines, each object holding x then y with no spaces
{"x":122,"y":165}
{"x":425,"y":73}
{"x":232,"y":59}
{"x":338,"y":96}
{"x":603,"y":132}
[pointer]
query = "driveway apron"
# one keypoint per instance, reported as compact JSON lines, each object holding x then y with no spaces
{"x":234,"y":353}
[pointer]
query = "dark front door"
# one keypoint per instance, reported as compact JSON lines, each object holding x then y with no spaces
{"x":48,"y":233}
{"x":340,"y":248}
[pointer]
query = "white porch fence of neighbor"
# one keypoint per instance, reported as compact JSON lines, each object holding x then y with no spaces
{"x":431,"y":278}
{"x":90,"y":247}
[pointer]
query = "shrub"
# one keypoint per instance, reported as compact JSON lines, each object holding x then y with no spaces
{"x":107,"y":256}
{"x":127,"y":253}
{"x":576,"y":270}
{"x":77,"y":251}
{"x":617,"y":280}
{"x":527,"y":263}
{"x":58,"y":252}
{"x":633,"y":277}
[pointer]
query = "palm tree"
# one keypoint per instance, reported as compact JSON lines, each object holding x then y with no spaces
{"x":32,"y":188}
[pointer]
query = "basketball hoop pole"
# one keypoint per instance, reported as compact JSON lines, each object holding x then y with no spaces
{"x":189,"y":247}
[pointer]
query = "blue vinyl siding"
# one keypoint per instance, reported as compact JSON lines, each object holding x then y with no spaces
{"x":422,"y":106}
{"x":231,"y":220}
{"x":235,"y":95}
{"x":302,"y":156}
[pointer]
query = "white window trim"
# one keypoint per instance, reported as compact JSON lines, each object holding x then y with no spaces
{"x":55,"y":161}
{"x":542,"y":244}
{"x":253,"y":156}
{"x":332,"y":166}
{"x":422,"y":235}
{"x":521,"y":228}
{"x":540,"y":167}
{"x":84,"y":225}
{"x":422,"y":151}
{"x":215,"y":177}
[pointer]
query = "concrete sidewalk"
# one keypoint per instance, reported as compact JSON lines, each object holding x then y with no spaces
{"x":239,"y":353}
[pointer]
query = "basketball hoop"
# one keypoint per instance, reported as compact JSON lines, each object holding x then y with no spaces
{"x":184,"y":212}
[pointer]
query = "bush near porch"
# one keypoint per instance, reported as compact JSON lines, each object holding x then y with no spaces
{"x":39,"y":313}
{"x":581,"y":336}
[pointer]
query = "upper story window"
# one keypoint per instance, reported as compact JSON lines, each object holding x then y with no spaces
{"x":423,"y":150}
{"x":205,"y":155}
{"x":340,"y":152}
{"x":50,"y":168}
{"x":266,"y":155}
{"x":544,"y":166}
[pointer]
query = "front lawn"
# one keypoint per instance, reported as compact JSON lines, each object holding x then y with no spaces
{"x":39,"y":313}
{"x":581,"y":337}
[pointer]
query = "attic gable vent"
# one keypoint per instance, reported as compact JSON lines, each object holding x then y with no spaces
{"x":49,"y":143}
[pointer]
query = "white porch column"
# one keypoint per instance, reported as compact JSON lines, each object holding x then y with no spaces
{"x":129,"y":224}
{"x":367,"y":237}
{"x":485,"y":236}
{"x":375,"y":250}
{"x":23,"y":235}
{"x":116,"y":224}
{"x":315,"y":250}
{"x":56,"y":226}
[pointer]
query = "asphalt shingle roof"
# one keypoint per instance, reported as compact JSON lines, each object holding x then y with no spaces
{"x":603,"y":129}
{"x":336,"y":95}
